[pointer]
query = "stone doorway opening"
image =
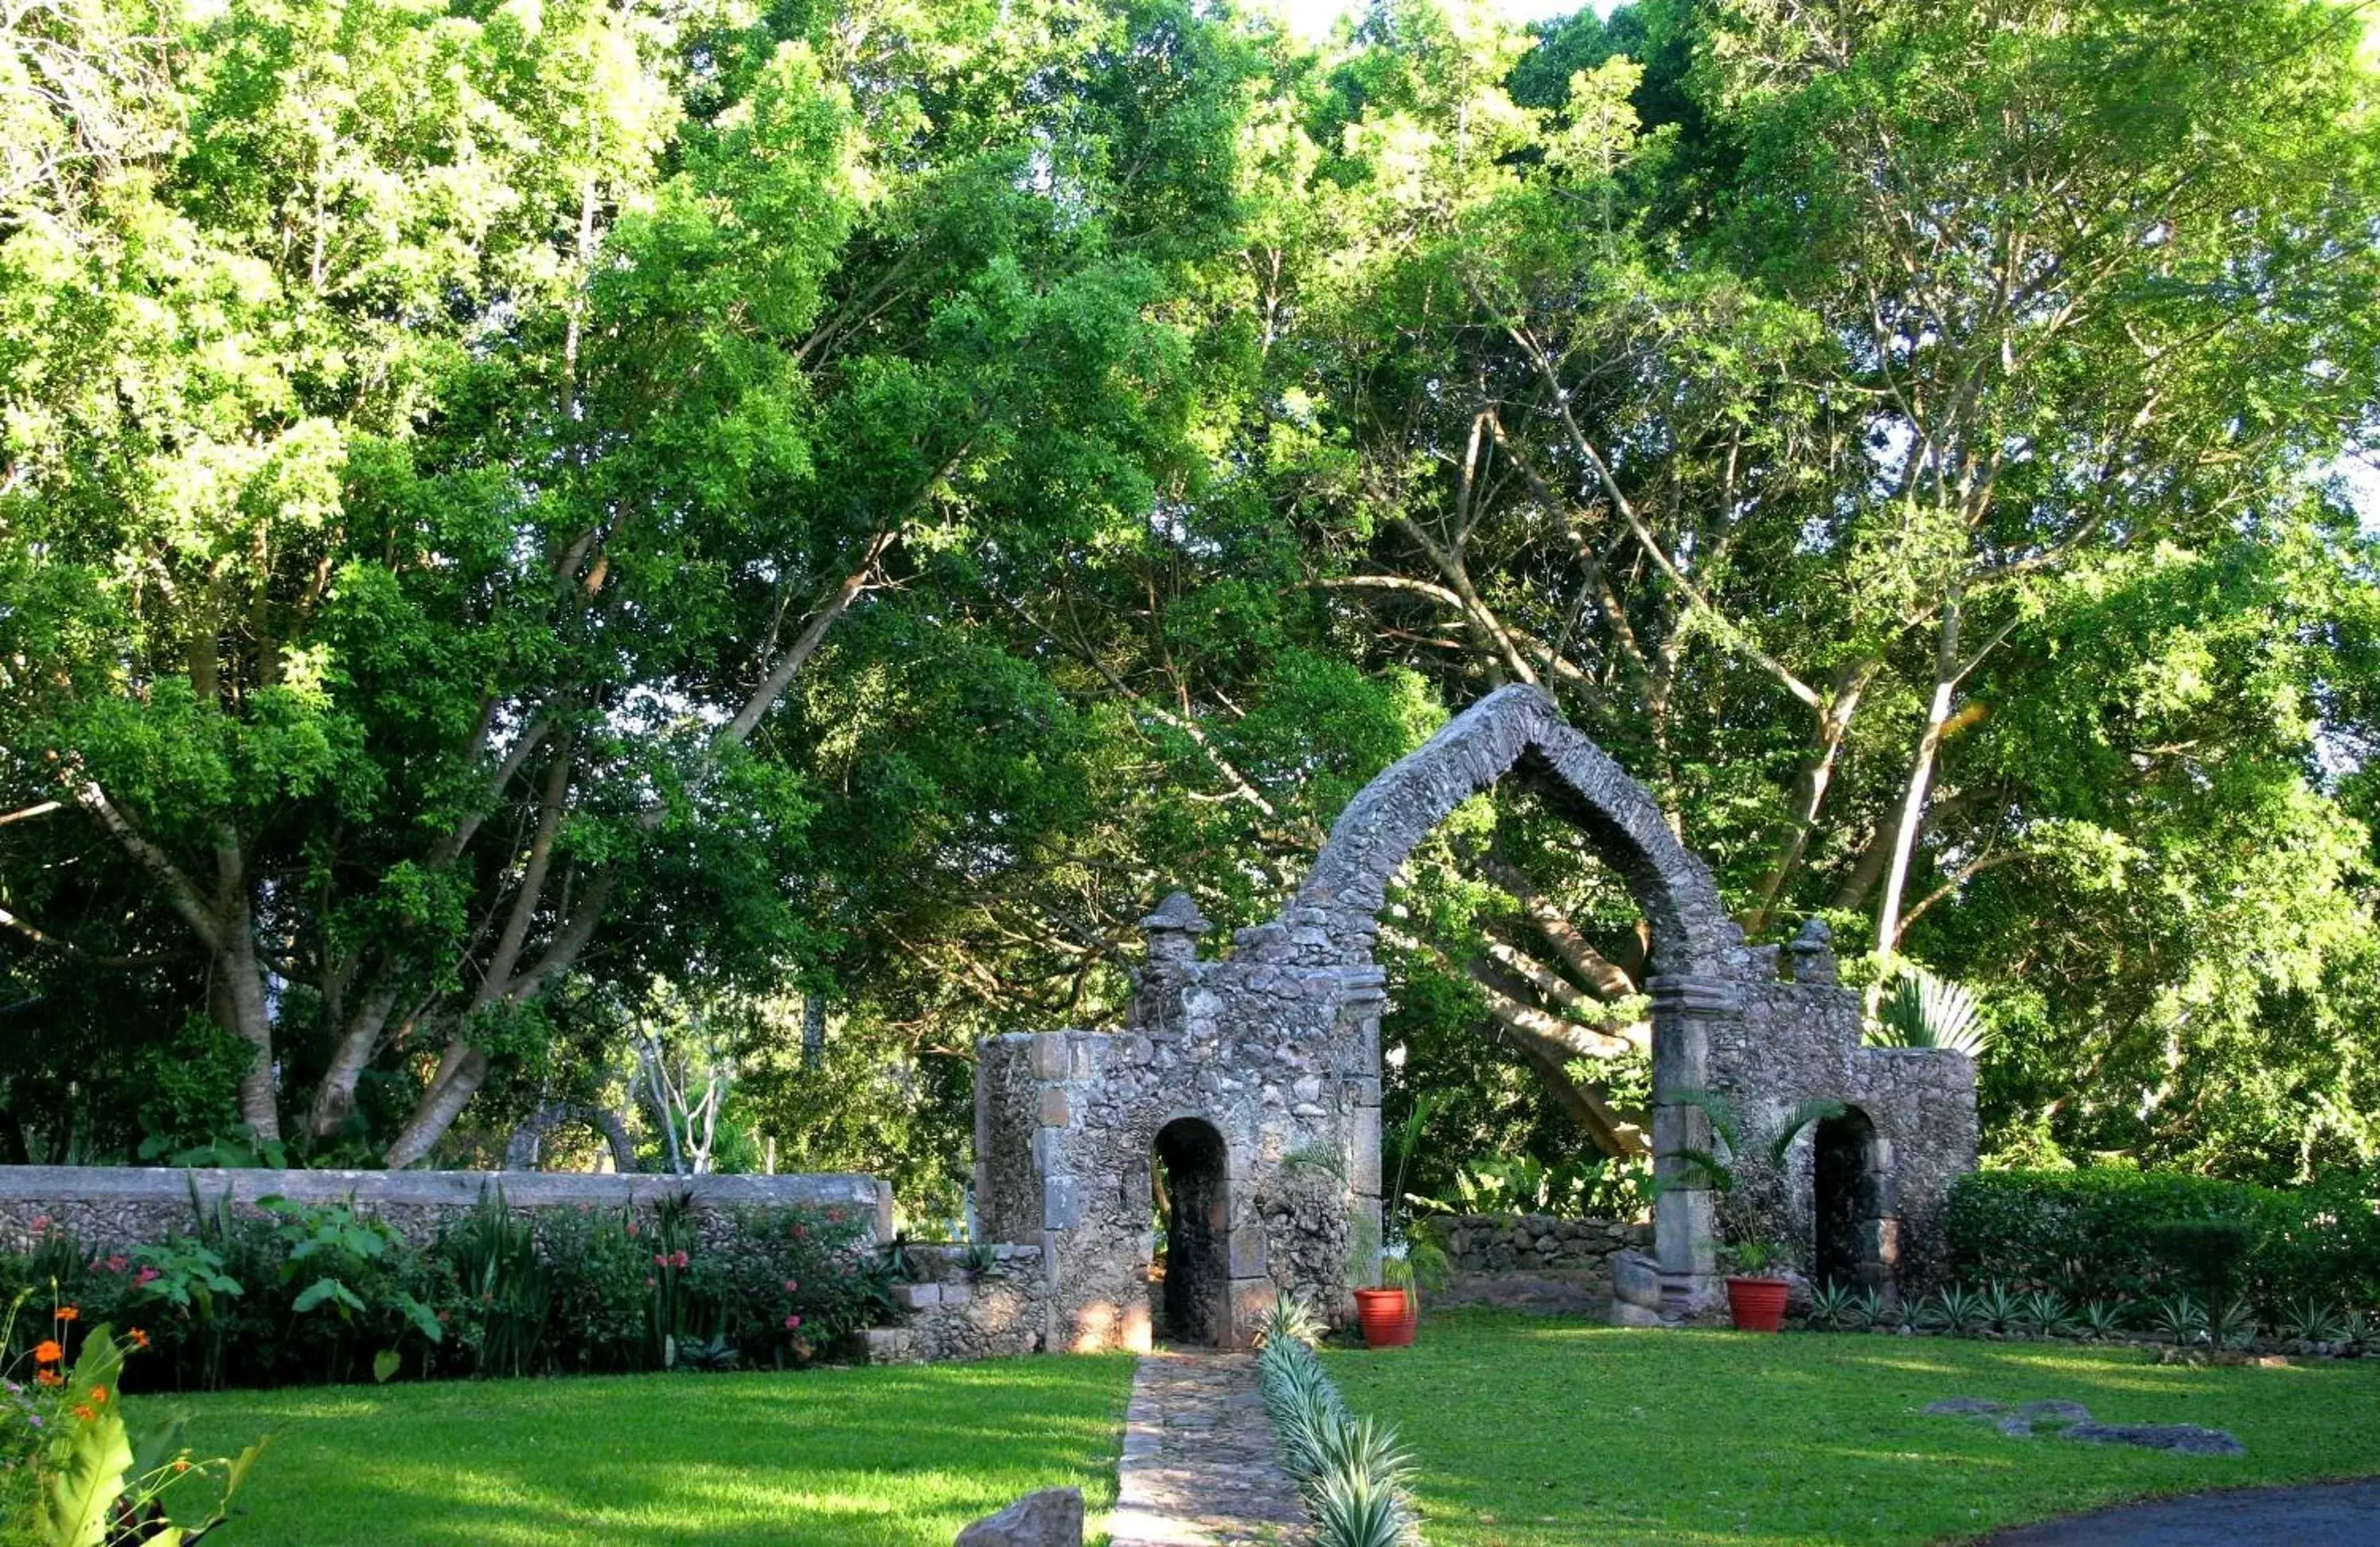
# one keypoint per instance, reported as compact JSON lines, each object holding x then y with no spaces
{"x":1194,"y":1211}
{"x":1850,"y":1174}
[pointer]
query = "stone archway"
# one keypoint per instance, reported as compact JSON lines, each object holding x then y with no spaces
{"x":1193,"y":1303}
{"x":1275,"y":1048}
{"x":1698,"y":957}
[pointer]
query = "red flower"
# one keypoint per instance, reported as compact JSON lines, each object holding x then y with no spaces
{"x":799,"y":1232}
{"x":835,"y":1216}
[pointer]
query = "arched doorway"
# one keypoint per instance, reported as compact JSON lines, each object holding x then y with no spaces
{"x":1857,"y":1238}
{"x":1194,"y":1213}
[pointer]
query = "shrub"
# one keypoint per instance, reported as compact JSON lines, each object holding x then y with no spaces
{"x":2116,"y":1234}
{"x":316,"y":1293}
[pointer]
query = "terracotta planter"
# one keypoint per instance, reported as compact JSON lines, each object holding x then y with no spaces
{"x":1389,"y":1317}
{"x":1757,"y":1304}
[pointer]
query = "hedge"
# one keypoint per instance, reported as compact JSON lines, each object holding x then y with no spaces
{"x":2112,"y":1232}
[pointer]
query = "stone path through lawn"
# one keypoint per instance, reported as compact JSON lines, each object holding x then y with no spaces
{"x":2330,"y":1515}
{"x":1198,"y":1468}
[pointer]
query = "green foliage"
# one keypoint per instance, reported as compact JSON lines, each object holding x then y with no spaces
{"x":314,"y":1293}
{"x":1922,"y":1010}
{"x":2107,"y":1232}
{"x":1350,"y":1472}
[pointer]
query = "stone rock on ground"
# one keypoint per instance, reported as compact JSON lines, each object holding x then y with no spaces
{"x":2072,"y":1420}
{"x":2187,"y":1438}
{"x":1052,"y":1517}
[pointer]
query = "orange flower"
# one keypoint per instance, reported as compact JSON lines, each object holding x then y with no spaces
{"x":47,"y":1351}
{"x":84,"y":1413}
{"x":139,"y":1338}
{"x":181,"y":1465}
{"x":66,"y":1313}
{"x":49,"y":1377}
{"x":99,"y":1397}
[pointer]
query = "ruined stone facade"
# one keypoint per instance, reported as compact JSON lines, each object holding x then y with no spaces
{"x":1252,"y":1081}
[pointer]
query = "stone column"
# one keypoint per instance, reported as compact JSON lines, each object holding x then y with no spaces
{"x":1686,"y":1011}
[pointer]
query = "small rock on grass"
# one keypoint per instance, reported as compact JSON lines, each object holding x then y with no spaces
{"x":1052,"y":1517}
{"x":2189,"y":1439}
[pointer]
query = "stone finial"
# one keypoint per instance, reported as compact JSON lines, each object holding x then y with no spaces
{"x":1174,"y":928}
{"x":1813,"y":953}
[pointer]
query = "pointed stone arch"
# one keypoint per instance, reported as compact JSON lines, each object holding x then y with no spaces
{"x":1513,"y":730}
{"x":1699,"y":961}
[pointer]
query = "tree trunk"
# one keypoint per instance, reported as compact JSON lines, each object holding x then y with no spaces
{"x":1921,"y":776}
{"x":460,"y":1076}
{"x":334,"y":1096}
{"x":1810,"y":795}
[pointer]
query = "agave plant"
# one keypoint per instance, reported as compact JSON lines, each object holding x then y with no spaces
{"x":1956,"y":1309}
{"x":2235,"y":1325}
{"x":1353,"y":1509}
{"x":2180,"y":1318}
{"x":1834,"y":1308}
{"x":1291,"y":1320}
{"x":1872,"y":1312}
{"x":2101,"y":1320}
{"x":1999,"y":1308}
{"x":2043,"y":1314}
{"x":1922,"y":1010}
{"x":2313,"y":1321}
{"x":2360,"y":1332}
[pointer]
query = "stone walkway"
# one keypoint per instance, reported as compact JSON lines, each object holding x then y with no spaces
{"x":1198,"y":1468}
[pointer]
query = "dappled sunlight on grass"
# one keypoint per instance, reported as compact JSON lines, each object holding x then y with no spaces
{"x":898,"y":1457}
{"x":1530,"y":1433}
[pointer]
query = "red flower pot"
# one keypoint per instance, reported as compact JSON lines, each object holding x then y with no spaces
{"x":1388,"y":1317}
{"x":1757,"y":1304}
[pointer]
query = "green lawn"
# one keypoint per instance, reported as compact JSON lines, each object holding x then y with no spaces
{"x":878,"y":1458}
{"x":1528,"y":1431}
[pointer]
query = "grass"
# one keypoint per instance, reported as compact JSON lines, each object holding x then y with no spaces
{"x":875,"y":1458}
{"x":1528,"y":1432}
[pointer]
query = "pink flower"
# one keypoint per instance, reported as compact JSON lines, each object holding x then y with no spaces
{"x":633,"y":1231}
{"x":118,"y":1263}
{"x":792,"y":1288}
{"x":792,"y":1322}
{"x":799,"y":1232}
{"x":41,"y":1222}
{"x":679,"y":1261}
{"x":147,"y":1275}
{"x":660,"y":1260}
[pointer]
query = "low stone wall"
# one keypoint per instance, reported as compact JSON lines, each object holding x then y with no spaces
{"x":967,"y":1303}
{"x":1533,"y":1242}
{"x":1533,"y":1261}
{"x":123,"y":1206}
